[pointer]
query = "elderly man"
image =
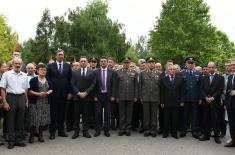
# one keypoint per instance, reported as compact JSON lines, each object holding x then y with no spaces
{"x":14,"y":86}
{"x":30,"y":68}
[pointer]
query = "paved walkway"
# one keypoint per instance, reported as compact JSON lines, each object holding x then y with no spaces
{"x":115,"y":145}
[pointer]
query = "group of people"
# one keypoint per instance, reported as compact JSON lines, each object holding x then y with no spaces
{"x":145,"y":98}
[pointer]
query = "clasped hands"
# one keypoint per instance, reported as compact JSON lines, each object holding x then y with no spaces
{"x":82,"y":94}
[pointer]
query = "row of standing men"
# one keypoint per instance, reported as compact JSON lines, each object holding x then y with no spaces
{"x":176,"y":95}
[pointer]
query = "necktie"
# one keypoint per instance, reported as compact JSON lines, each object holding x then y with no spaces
{"x":233,"y":80}
{"x":211,"y":78}
{"x":60,"y":68}
{"x":172,"y":78}
{"x":103,"y":79}
{"x":190,"y":73}
{"x":83,"y":72}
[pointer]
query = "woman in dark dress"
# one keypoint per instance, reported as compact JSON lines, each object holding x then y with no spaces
{"x":39,"y":107}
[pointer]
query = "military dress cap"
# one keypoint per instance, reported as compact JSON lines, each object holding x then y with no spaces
{"x":93,"y":59}
{"x":190,"y":59}
{"x":142,"y":61}
{"x":126,"y":59}
{"x":150,"y":59}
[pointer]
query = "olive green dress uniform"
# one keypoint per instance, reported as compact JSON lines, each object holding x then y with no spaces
{"x":127,"y":90}
{"x":149,"y":92}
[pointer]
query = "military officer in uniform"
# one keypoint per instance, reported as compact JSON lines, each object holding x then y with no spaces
{"x":149,"y":93}
{"x":127,"y":91}
{"x":191,"y":87}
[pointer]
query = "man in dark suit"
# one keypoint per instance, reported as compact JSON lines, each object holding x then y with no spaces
{"x":160,"y":114}
{"x":211,"y":90}
{"x":60,"y":74}
{"x":230,"y":104}
{"x":171,"y":98}
{"x":83,"y":84}
{"x":104,"y":95}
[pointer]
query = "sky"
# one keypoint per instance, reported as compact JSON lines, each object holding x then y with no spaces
{"x":138,"y":16}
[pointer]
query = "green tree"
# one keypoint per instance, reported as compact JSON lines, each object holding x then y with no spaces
{"x":94,"y":34}
{"x":7,"y":40}
{"x":141,"y":47}
{"x":132,"y":54}
{"x":184,"y":28}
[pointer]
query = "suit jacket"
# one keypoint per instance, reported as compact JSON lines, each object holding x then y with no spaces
{"x":149,"y":86}
{"x":171,"y":94}
{"x":84,"y":84}
{"x":111,"y":87}
{"x":61,"y":82}
{"x":215,"y":89}
{"x":230,"y":100}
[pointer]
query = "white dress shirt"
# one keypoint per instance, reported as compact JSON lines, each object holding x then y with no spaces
{"x":15,"y":83}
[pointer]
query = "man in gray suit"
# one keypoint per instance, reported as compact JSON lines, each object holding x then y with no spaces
{"x":127,"y":90}
{"x":149,"y":92}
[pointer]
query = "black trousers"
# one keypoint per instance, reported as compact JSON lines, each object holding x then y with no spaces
{"x":160,"y":117}
{"x":114,"y":114}
{"x":15,"y":117}
{"x":171,"y":120}
{"x":137,"y":118}
{"x":231,"y":119}
{"x":70,"y":113}
{"x":125,"y":115}
{"x":81,"y":107}
{"x":57,"y":109}
{"x":211,"y":118}
{"x":189,"y":117}
{"x":103,"y":104}
{"x":150,"y":116}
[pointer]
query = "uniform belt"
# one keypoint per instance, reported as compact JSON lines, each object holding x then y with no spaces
{"x":16,"y":94}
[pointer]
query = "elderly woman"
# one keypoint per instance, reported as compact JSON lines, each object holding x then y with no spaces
{"x":39,"y":107}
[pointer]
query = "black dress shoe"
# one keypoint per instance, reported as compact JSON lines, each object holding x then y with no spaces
{"x":121,"y":133}
{"x":10,"y":146}
{"x":128,"y":133}
{"x":31,"y":139}
{"x":175,"y":136}
{"x":97,"y":133}
{"x":195,"y":136}
{"x":52,"y":136}
{"x":204,"y":138}
{"x":107,"y":134}
{"x":146,"y":134}
{"x":62,"y":134}
{"x":231,"y":144}
{"x":20,"y":144}
{"x":165,"y":135}
{"x":153,"y":134}
{"x":182,"y":134}
{"x":217,"y":140}
{"x":86,"y":134}
{"x":75,"y":135}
